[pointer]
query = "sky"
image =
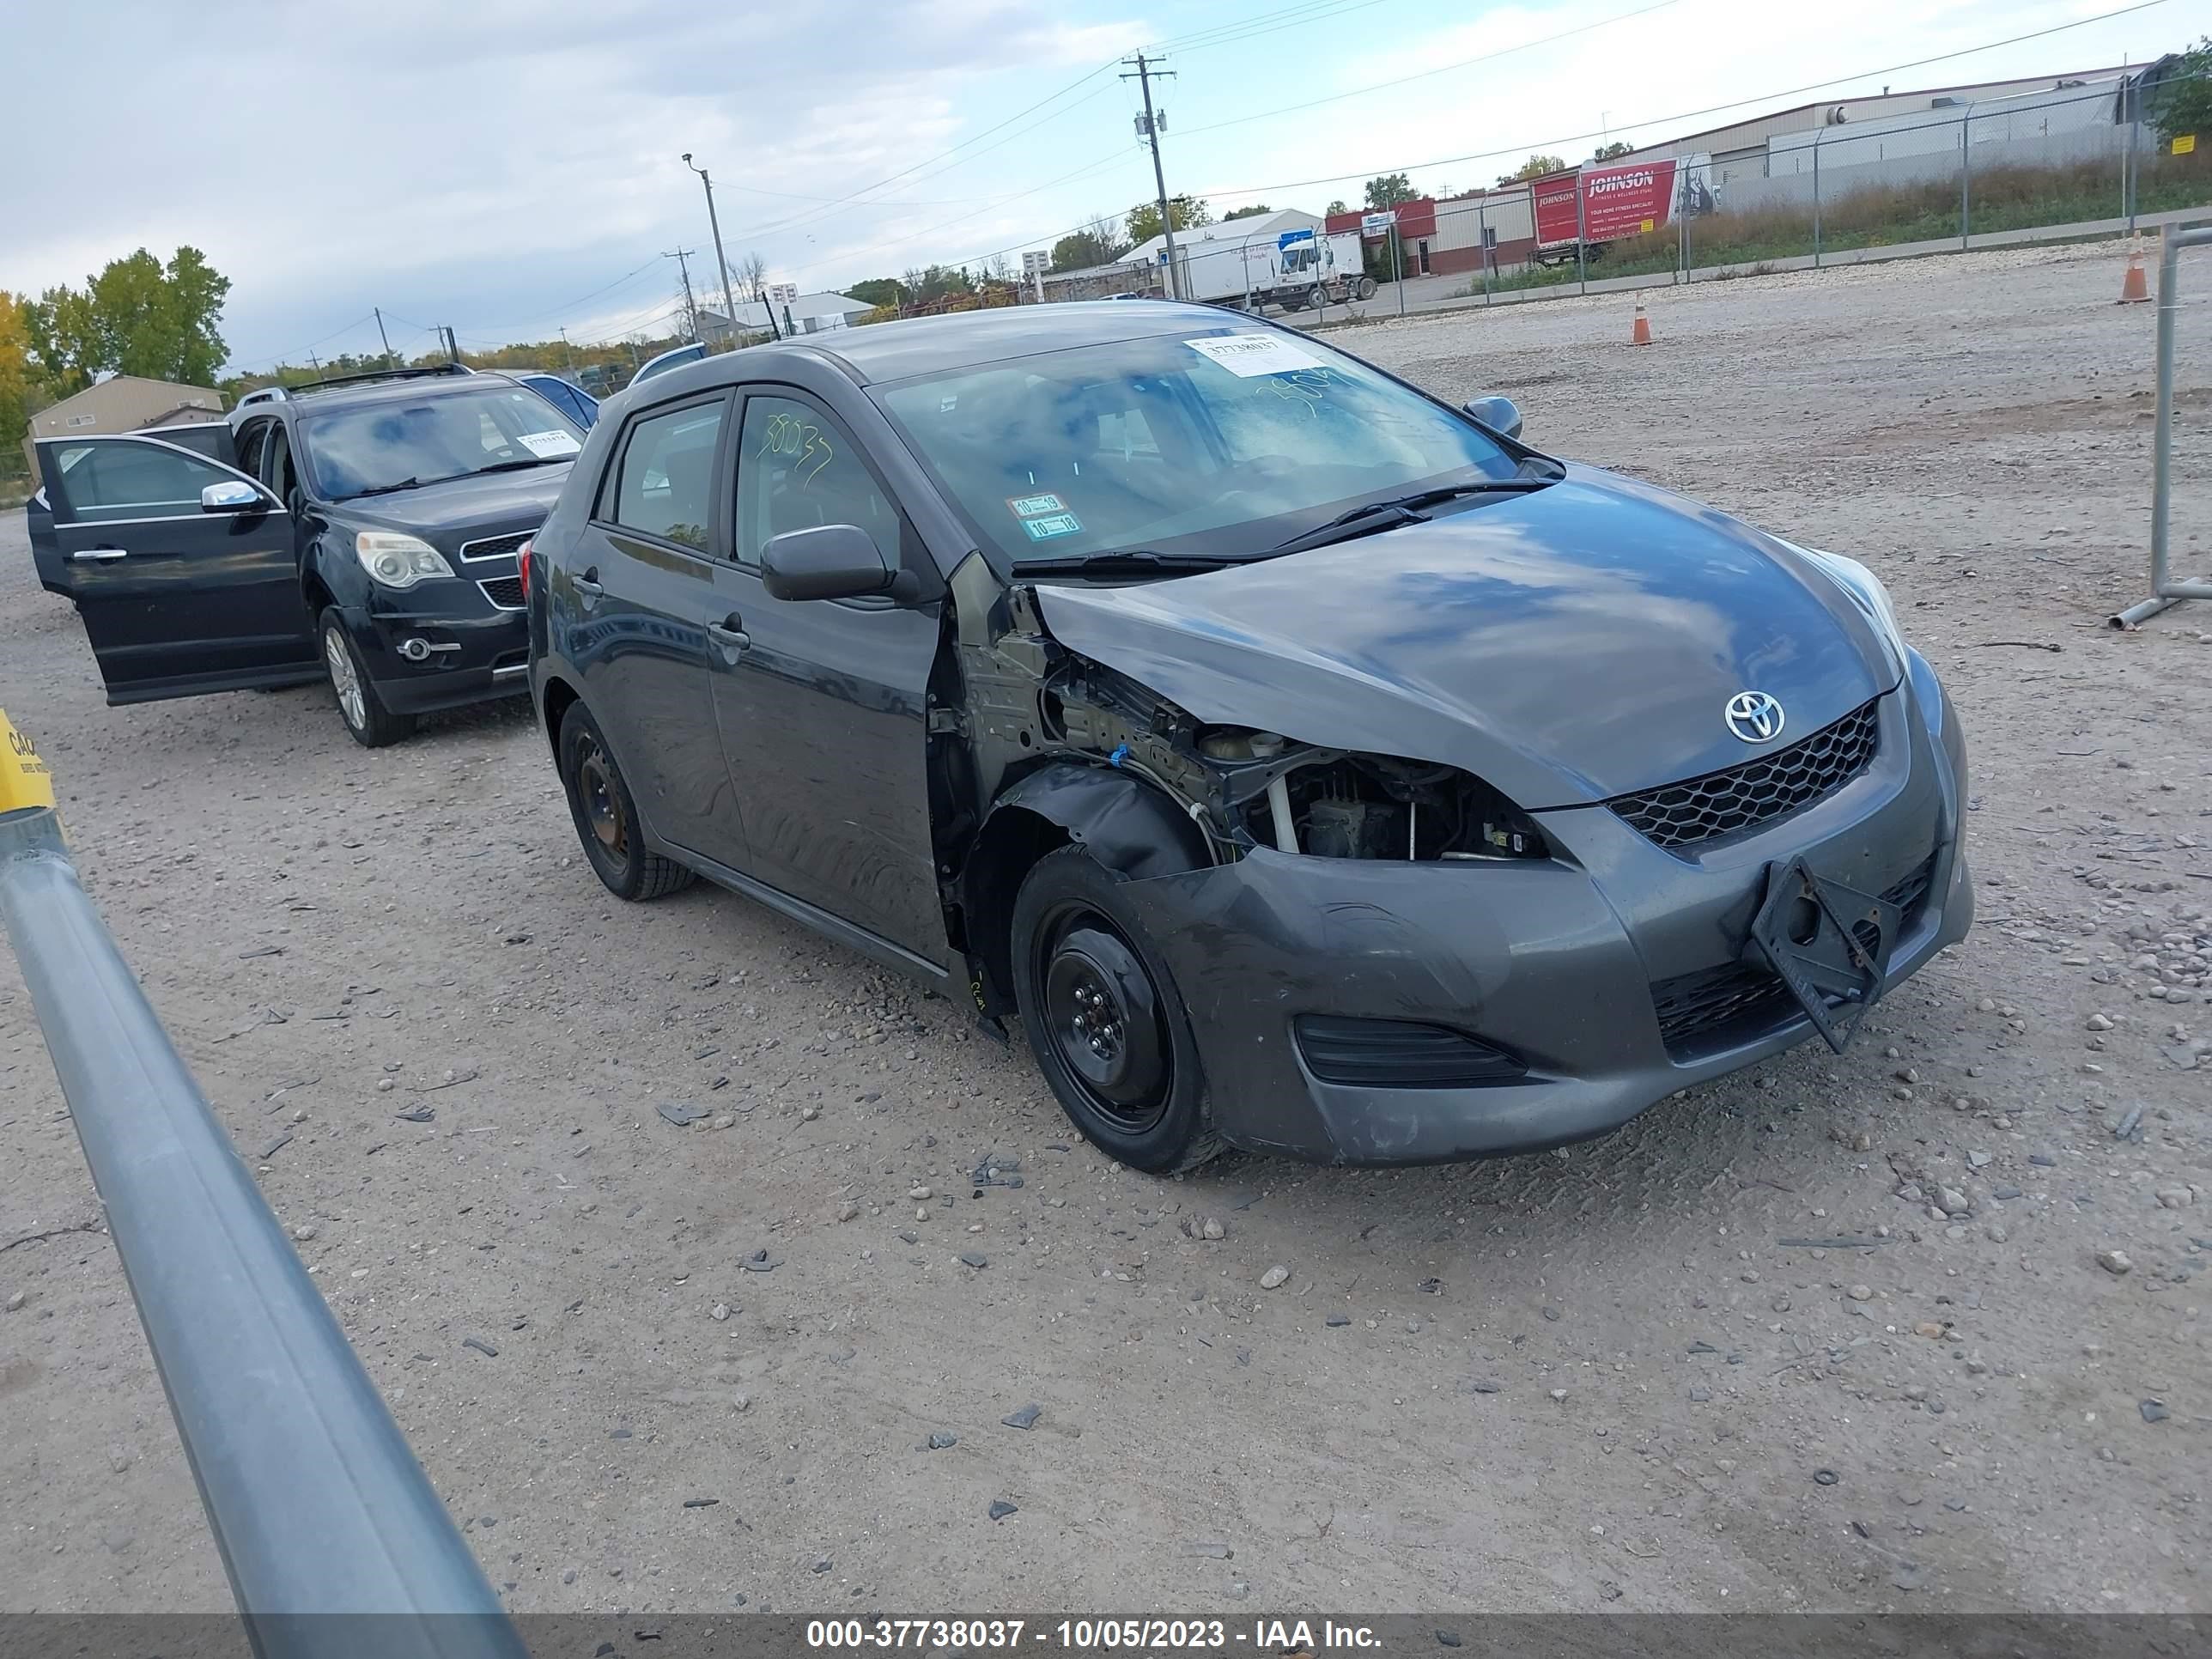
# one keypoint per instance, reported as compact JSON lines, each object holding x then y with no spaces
{"x":513,"y":168}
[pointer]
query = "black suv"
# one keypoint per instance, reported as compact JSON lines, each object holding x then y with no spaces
{"x":363,"y":528}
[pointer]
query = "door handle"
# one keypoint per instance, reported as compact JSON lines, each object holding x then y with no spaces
{"x":730,"y":632}
{"x":102,"y":554}
{"x":588,"y":583}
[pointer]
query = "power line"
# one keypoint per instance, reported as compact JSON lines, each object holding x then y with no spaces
{"x":1229,"y":33}
{"x":1685,"y":115}
{"x":1305,"y":104}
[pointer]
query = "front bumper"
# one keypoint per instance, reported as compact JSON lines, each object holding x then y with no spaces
{"x":1563,"y":963}
{"x":472,"y":658}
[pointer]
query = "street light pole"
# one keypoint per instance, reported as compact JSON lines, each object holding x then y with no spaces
{"x":713,"y":224}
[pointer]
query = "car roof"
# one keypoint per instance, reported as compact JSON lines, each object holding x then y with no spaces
{"x":970,"y":339}
{"x":370,"y":392}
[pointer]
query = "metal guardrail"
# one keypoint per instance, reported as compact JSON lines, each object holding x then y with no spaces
{"x":320,"y":1511}
{"x":2165,"y":590}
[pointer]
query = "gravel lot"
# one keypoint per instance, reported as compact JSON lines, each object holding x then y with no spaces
{"x":1596,"y":1377}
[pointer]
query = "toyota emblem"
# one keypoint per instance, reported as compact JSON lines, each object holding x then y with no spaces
{"x":1753,"y":716}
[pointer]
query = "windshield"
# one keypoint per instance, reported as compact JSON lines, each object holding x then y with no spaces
{"x":445,"y":434}
{"x":1218,"y":442}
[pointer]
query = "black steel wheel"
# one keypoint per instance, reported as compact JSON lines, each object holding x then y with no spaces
{"x":606,"y":816}
{"x":1104,"y":1020}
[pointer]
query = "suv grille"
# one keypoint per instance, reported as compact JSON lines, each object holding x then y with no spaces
{"x":1716,"y":1006}
{"x":1758,"y":792}
{"x":505,"y":592}
{"x":495,"y":547}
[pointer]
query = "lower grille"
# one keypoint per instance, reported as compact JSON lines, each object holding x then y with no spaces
{"x":1398,"y":1053}
{"x":505,"y":592}
{"x":1718,"y":1007}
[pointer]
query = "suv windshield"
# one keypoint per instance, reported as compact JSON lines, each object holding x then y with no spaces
{"x":1222,"y":442}
{"x":396,"y":442}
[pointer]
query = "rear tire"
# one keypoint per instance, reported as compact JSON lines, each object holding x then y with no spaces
{"x":605,"y":816}
{"x":370,"y":723}
{"x":1103,"y":1018}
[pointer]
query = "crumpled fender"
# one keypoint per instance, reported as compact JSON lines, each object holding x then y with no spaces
{"x":1126,"y":825}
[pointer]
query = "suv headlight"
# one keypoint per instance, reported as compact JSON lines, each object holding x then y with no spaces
{"x":396,"y":561}
{"x":1867,"y":592}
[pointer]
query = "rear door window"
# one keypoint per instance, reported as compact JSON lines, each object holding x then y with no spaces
{"x":663,"y":482}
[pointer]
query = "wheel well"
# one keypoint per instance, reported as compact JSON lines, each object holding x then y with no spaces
{"x":316,"y":592}
{"x":559,"y":694}
{"x":1014,"y":840}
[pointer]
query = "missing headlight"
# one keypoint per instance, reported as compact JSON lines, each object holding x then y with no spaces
{"x":1374,"y":806}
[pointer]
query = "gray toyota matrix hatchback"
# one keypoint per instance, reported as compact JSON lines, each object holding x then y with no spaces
{"x":1312,"y":767}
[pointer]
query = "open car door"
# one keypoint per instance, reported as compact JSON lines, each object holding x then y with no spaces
{"x":182,"y":568}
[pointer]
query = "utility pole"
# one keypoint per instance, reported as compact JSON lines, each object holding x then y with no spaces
{"x":567,"y":352}
{"x":1148,"y":127}
{"x":389,"y":361}
{"x":690,"y":306}
{"x":721,"y":259}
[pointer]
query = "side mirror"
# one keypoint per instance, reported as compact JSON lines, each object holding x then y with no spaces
{"x":830,"y":562}
{"x":1498,"y":414}
{"x":232,"y":495}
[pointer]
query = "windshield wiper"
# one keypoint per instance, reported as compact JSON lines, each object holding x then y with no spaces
{"x":386,"y":489}
{"x":1371,"y":518}
{"x":473,"y":472}
{"x":517,"y":466}
{"x":1129,"y":562}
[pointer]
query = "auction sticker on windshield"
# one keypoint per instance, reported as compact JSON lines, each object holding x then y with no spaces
{"x":1057,"y":523}
{"x":549,"y":445}
{"x":1249,"y":356}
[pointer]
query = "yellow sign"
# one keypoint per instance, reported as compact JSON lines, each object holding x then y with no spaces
{"x":24,"y":779}
{"x":1646,"y":226}
{"x":2184,"y":144}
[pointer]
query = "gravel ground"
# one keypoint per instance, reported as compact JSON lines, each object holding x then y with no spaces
{"x":1596,"y":1377}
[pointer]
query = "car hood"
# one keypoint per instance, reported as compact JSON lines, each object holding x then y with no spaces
{"x":462,"y":509}
{"x":1567,"y":645}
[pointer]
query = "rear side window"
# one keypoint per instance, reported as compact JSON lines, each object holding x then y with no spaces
{"x":125,"y":480}
{"x":665,"y":481}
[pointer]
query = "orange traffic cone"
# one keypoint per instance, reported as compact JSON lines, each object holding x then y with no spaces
{"x":2134,"y":286}
{"x":1640,"y":334}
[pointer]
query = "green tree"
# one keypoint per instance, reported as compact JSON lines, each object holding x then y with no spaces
{"x":1252,"y":212}
{"x":877,"y":291}
{"x":1337,"y":206}
{"x":1607,"y":152}
{"x":66,"y":340}
{"x":2182,"y":101}
{"x":1535,"y":167}
{"x":1388,"y":190}
{"x":1183,"y":213}
{"x":937,"y":280}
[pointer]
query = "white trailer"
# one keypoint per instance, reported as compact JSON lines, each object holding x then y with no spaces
{"x":1294,"y":268}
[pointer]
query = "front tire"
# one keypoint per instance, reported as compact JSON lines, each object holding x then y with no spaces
{"x":605,"y":816}
{"x":1103,"y":1018}
{"x":371,"y":724}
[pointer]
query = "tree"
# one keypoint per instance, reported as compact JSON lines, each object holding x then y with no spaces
{"x":877,"y":291}
{"x":752,"y":276}
{"x":1388,"y":190}
{"x":22,"y":389}
{"x":937,"y":280}
{"x":1183,"y":213}
{"x":1336,"y":207}
{"x":1252,"y":212}
{"x":1535,"y":167}
{"x":1000,"y":270}
{"x":65,"y":340}
{"x":136,"y":316}
{"x":1607,"y":152}
{"x":2181,"y":100}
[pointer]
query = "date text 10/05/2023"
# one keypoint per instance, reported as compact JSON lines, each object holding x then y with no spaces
{"x":1274,"y":1636}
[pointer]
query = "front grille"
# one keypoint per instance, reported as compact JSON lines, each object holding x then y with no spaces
{"x":1716,"y":1008}
{"x":495,"y":547}
{"x":1398,"y":1054}
{"x":505,"y":592}
{"x":1758,"y":792}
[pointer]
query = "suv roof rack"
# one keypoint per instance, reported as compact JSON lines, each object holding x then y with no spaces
{"x":370,"y":376}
